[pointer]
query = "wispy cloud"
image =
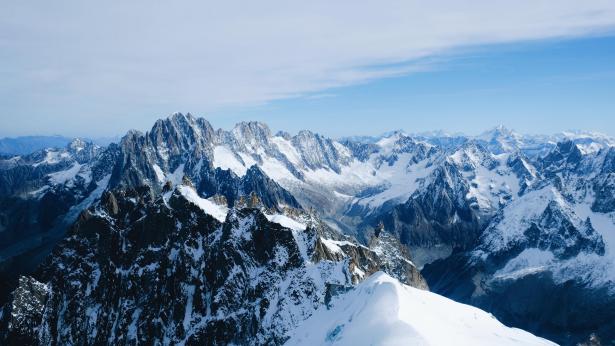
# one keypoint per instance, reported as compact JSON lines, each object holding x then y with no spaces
{"x":111,"y":59}
{"x":319,"y":96}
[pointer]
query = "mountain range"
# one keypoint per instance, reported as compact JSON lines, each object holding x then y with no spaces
{"x":188,"y":234}
{"x":25,"y":145}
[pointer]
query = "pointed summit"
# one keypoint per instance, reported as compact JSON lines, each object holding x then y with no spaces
{"x":500,"y":140}
{"x":252,"y":133}
{"x":77,"y":144}
{"x":499,"y":131}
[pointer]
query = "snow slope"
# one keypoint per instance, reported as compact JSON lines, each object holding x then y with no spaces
{"x":217,"y":211}
{"x":382,"y":311}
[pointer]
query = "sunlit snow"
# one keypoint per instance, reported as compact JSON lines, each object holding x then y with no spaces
{"x":382,"y":311}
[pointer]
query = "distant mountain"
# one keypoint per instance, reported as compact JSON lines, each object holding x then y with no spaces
{"x":29,"y":144}
{"x":501,"y":139}
{"x":370,"y":139}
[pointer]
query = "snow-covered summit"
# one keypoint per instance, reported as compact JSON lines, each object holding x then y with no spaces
{"x":382,"y":311}
{"x":501,"y":140}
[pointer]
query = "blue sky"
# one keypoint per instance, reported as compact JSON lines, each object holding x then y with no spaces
{"x":544,"y":86}
{"x":338,"y":68}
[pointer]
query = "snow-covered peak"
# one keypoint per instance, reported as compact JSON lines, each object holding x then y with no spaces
{"x":544,"y":219}
{"x":501,"y":140}
{"x":77,"y":144}
{"x":472,"y":155}
{"x":587,"y":142}
{"x":180,"y":121}
{"x":589,"y":135}
{"x":565,"y":155}
{"x":436,"y":134}
{"x":400,"y":142}
{"x":382,"y":311}
{"x":498,"y":132}
{"x":253,"y":133}
{"x":387,"y":142}
{"x":367,"y":139}
{"x":180,"y":132}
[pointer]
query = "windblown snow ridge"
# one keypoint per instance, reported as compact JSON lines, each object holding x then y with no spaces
{"x":382,"y":311}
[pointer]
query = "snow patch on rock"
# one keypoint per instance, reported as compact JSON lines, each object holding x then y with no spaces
{"x":217,"y":211}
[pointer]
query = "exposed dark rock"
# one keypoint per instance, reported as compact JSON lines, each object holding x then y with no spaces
{"x":20,"y":321}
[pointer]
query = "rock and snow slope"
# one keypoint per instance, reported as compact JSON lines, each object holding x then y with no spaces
{"x":443,"y":197}
{"x":177,"y":269}
{"x":382,"y":311}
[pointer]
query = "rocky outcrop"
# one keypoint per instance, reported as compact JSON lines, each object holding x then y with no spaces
{"x":436,"y":216}
{"x":20,"y":321}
